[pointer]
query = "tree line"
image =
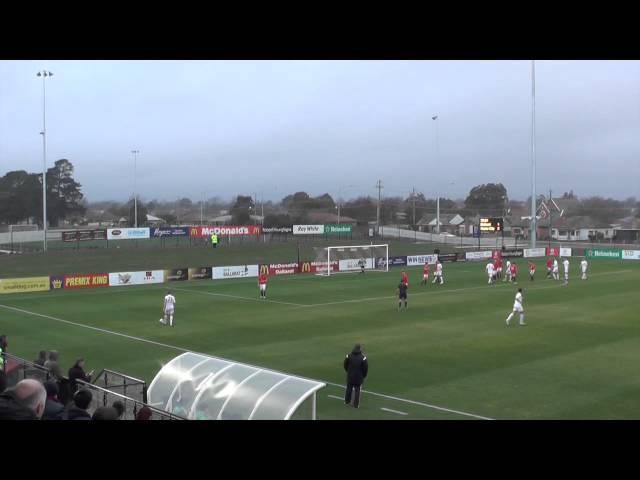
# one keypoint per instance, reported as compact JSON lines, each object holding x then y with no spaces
{"x":21,"y":196}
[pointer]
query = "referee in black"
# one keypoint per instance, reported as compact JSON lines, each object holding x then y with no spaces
{"x":357,"y":367}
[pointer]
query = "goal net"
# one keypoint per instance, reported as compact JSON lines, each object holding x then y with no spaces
{"x":351,"y":259}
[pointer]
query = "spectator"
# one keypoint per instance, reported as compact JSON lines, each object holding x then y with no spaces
{"x":78,"y":410}
{"x":105,"y":413}
{"x":53,"y":409}
{"x":357,"y":366}
{"x":52,"y":365}
{"x":3,"y":381}
{"x":77,"y":373}
{"x":3,"y":349}
{"x":42,"y":358}
{"x":144,"y":413}
{"x":26,"y":401}
{"x":119,"y":406}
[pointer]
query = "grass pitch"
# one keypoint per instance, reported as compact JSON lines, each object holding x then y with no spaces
{"x":449,"y":356}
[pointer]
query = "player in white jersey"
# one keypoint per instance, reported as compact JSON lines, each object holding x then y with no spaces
{"x":507,"y":273}
{"x":556,"y":276}
{"x":583,"y":268}
{"x":169,"y":309}
{"x":565,"y":265}
{"x":438,"y":277}
{"x":517,"y":307}
{"x":490,"y":272}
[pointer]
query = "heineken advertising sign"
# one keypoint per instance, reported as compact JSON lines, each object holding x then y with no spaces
{"x":335,"y":229}
{"x":612,"y":253}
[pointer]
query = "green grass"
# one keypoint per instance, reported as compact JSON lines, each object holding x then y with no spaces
{"x":577,"y":358}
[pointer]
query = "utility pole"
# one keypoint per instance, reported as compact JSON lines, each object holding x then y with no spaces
{"x":379,"y":187}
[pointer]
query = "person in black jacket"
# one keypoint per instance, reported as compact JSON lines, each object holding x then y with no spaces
{"x":53,"y":409}
{"x":25,"y":401}
{"x":78,"y":410}
{"x":357,"y":367}
{"x":77,"y":373}
{"x":42,"y":357}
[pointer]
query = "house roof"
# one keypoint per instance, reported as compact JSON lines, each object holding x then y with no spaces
{"x":445,"y":219}
{"x":325,"y":217}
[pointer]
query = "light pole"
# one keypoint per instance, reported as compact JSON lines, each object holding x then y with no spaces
{"x":135,"y":193}
{"x":533,"y":155}
{"x":44,"y":74}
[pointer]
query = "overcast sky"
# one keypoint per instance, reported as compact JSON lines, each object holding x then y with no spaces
{"x":275,"y":127}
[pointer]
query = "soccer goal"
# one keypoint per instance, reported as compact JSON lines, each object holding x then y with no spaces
{"x":351,"y":259}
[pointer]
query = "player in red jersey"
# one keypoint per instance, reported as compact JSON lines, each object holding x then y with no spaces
{"x":405,"y":278}
{"x":498,"y":268}
{"x":514,"y":273}
{"x":425,"y":273}
{"x":262,"y":282}
{"x":532,"y":270}
{"x":549,"y":267}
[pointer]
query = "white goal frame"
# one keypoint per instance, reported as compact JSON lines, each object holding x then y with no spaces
{"x":327,"y":273}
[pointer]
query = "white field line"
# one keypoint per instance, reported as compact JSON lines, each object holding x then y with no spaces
{"x":337,"y":398}
{"x":174,"y":347}
{"x":394,"y":411}
{"x":413,"y":402}
{"x":250,"y":299}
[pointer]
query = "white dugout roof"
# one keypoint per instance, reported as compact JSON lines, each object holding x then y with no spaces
{"x":201,"y":387}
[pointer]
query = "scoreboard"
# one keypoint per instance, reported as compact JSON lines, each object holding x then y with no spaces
{"x":492,"y":224}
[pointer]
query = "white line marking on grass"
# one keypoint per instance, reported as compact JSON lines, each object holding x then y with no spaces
{"x":394,"y":411}
{"x":174,"y":347}
{"x":238,"y":297}
{"x":101,"y":330}
{"x":337,"y":398}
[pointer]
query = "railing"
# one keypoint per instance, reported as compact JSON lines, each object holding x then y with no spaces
{"x":115,"y":381}
{"x":102,"y":397}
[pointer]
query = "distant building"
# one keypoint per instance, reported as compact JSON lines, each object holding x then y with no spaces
{"x":449,"y":223}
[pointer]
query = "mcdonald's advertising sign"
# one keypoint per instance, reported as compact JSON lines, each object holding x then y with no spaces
{"x":280,"y":268}
{"x":315,"y":267}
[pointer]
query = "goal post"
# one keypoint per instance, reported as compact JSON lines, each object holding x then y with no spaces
{"x":351,"y":259}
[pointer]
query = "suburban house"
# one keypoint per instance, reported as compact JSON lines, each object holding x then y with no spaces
{"x":449,"y":223}
{"x":627,"y":230}
{"x":581,"y":228}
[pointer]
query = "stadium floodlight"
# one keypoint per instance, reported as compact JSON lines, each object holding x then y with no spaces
{"x":351,"y":259}
{"x":44,"y":74}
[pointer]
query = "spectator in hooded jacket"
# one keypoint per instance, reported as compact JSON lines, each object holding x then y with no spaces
{"x":25,"y":401}
{"x":119,"y":407}
{"x":357,"y":367}
{"x":78,"y":410}
{"x":53,"y":409}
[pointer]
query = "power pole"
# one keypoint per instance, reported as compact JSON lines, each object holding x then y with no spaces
{"x":379,"y":187}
